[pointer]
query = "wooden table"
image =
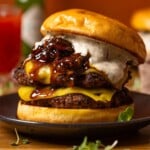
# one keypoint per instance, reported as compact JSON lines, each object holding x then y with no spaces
{"x":137,"y":141}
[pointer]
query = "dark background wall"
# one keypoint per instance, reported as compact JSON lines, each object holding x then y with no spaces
{"x":118,"y":9}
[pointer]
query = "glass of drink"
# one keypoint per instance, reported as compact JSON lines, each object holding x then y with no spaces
{"x":10,"y":42}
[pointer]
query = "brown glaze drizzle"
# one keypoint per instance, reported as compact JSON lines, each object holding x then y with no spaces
{"x":44,"y":92}
{"x":59,"y":55}
{"x":65,"y":65}
{"x":55,"y":48}
{"x":67,"y":68}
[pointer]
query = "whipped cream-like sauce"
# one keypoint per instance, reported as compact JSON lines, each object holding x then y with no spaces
{"x":104,"y":57}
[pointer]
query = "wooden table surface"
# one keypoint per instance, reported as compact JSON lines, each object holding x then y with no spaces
{"x":136,"y":141}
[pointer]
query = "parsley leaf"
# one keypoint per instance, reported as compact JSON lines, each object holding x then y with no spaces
{"x":85,"y":145}
{"x":126,"y":115}
{"x":19,"y":140}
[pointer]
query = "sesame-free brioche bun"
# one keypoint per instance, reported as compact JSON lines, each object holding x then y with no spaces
{"x":140,"y":20}
{"x":94,"y":25}
{"x":55,"y":115}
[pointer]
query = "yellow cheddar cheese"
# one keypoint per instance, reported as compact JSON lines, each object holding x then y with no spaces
{"x":43,"y":73}
{"x":25,"y":93}
{"x":28,"y":67}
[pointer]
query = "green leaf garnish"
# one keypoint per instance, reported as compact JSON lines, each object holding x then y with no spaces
{"x":126,"y":115}
{"x":109,"y":147}
{"x":25,"y":141}
{"x":85,"y":145}
{"x":16,"y":143}
{"x":19,"y":140}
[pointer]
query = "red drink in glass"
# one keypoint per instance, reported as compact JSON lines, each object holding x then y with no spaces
{"x":10,"y":37}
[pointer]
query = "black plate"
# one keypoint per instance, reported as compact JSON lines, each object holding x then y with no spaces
{"x":8,"y":105}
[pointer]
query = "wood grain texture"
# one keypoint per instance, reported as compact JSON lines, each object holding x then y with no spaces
{"x":137,"y":141}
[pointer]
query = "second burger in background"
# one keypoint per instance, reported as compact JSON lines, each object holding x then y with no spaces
{"x":140,"y":21}
{"x":77,"y":72}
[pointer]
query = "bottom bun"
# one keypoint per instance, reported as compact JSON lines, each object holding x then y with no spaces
{"x":59,"y":115}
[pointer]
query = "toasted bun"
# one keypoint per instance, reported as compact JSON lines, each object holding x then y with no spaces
{"x":141,"y":20}
{"x":87,"y":23}
{"x":54,"y":115}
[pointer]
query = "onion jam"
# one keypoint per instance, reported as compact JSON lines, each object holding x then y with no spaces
{"x":65,"y":67}
{"x":55,"y":48}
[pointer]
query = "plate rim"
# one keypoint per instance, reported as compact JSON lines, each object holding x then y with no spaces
{"x":102,"y":124}
{"x":14,"y":120}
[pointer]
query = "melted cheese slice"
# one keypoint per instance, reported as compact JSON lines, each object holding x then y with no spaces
{"x":26,"y":93}
{"x":43,"y":74}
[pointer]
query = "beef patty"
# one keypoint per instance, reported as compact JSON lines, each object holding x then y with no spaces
{"x":89,"y":80}
{"x":81,"y":101}
{"x":68,"y":69}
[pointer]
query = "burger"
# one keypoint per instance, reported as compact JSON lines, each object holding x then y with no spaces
{"x":77,"y":72}
{"x":140,"y":22}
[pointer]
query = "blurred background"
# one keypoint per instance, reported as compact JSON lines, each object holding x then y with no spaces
{"x":121,"y":10}
{"x":35,"y":11}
